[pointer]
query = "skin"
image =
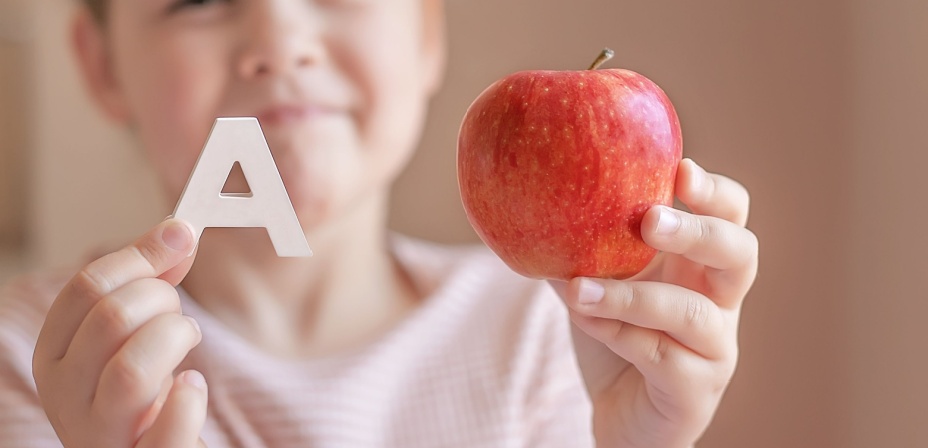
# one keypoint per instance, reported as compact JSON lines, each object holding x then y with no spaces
{"x":106,"y":358}
{"x":658,"y":350}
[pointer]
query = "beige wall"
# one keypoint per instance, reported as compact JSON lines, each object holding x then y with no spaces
{"x":815,"y":106}
{"x":89,"y":184}
{"x":15,"y":118}
{"x":887,"y":254}
{"x":14,"y":75}
{"x":12,"y":139}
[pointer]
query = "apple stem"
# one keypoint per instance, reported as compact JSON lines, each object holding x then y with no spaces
{"x":604,"y":56}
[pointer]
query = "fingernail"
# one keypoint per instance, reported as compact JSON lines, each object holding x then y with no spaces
{"x":590,"y":292}
{"x":177,"y":235}
{"x":668,"y":222}
{"x":194,"y":378}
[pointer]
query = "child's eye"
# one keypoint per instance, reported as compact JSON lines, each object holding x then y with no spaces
{"x":343,"y":2}
{"x":180,"y":5}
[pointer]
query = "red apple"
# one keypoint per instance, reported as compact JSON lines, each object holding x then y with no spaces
{"x":557,"y":168}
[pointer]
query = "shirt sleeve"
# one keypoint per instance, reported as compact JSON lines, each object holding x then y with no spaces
{"x":558,"y":409}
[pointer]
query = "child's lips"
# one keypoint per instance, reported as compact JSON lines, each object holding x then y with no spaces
{"x":291,"y":114}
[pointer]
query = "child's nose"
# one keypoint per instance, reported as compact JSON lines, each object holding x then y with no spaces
{"x":279,"y":37}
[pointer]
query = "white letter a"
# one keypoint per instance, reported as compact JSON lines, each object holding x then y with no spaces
{"x":203,"y":204}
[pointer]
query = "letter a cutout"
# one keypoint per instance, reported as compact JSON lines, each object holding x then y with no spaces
{"x":203,"y":204}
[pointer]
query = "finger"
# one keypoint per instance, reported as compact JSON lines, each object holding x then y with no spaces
{"x":712,"y":194}
{"x":709,"y":241}
{"x":176,"y":274}
{"x":152,"y":413}
{"x":159,"y":250}
{"x":111,"y":322}
{"x":665,"y":363}
{"x":182,"y":416}
{"x":727,"y":249}
{"x":690,"y":318}
{"x":131,"y":380}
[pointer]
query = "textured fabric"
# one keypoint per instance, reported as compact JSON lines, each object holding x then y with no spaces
{"x":485,"y":361}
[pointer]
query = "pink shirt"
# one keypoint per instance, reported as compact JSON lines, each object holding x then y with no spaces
{"x":485,"y":361}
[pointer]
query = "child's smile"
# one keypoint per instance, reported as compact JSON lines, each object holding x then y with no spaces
{"x":329,"y":81}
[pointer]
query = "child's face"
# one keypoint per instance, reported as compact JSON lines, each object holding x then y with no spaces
{"x":340,"y":86}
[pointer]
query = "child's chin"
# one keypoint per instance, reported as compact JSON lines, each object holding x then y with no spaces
{"x":335,"y":214}
{"x":322,"y":215}
{"x":314,"y":214}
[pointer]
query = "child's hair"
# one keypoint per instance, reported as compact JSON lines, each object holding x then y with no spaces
{"x":97,"y":8}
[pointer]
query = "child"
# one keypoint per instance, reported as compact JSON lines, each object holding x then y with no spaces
{"x":378,"y":340}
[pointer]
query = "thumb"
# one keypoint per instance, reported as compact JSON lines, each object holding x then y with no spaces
{"x":162,"y":253}
{"x":176,"y":274}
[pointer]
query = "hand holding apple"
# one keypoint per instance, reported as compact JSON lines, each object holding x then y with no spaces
{"x":556,"y":169}
{"x":676,"y":323}
{"x":567,"y":176}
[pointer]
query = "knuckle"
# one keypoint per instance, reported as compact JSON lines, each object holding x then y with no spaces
{"x":162,"y":291}
{"x":179,"y":333}
{"x":659,"y":350}
{"x":630,"y":299}
{"x":126,"y":374}
{"x":618,"y":332}
{"x":114,"y":315}
{"x":127,"y":308}
{"x":730,"y":186}
{"x":708,"y":229}
{"x":712,"y":187}
{"x":697,"y":314}
{"x":146,"y":254}
{"x":700,"y":230}
{"x":91,"y":282}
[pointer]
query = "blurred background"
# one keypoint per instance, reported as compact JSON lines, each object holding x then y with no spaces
{"x":816,"y":106}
